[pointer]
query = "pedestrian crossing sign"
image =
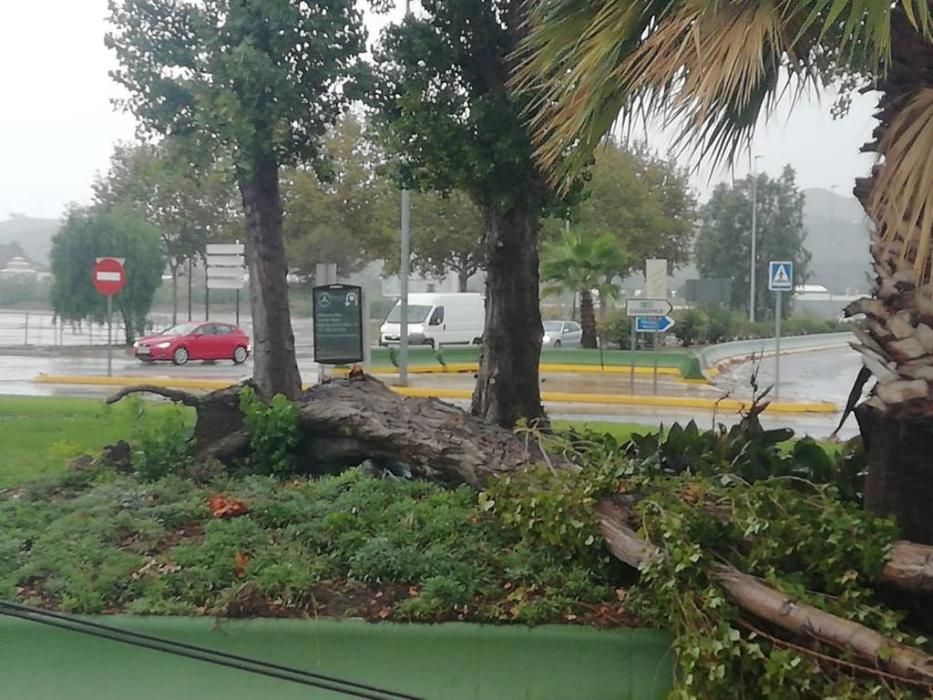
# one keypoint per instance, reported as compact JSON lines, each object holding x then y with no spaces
{"x":781,"y":276}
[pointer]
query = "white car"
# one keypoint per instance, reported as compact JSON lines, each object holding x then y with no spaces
{"x":562,"y":334}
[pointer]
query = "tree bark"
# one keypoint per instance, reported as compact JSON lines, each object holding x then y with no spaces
{"x":275,"y":367}
{"x":899,"y":480}
{"x":896,"y":339}
{"x":507,"y":386}
{"x":346,"y":422}
{"x":587,"y":319}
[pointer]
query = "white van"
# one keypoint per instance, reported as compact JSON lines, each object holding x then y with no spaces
{"x":438,"y":319}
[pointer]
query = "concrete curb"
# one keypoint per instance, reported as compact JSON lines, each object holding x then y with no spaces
{"x":464,"y":394}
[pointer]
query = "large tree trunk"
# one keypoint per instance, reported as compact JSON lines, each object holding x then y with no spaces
{"x":897,"y":341}
{"x":507,"y":387}
{"x":587,"y":319}
{"x":347,"y":422}
{"x":275,"y":367}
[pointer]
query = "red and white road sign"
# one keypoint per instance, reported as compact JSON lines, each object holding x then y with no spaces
{"x":109,"y":276}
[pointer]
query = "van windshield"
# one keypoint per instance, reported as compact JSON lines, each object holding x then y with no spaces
{"x":416,"y":313}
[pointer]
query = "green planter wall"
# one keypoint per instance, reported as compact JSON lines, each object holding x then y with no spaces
{"x":436,"y":662}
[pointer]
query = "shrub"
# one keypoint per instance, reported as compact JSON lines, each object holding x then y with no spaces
{"x":692,"y":327}
{"x":274,"y":433}
{"x":161,"y":441}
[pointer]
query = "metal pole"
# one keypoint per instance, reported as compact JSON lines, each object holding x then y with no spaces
{"x":367,"y":341}
{"x":238,"y":307}
{"x":109,"y":336}
{"x":26,"y":337}
{"x":404,"y":271}
{"x":754,"y":255}
{"x":190,"y":270}
{"x":777,"y":345}
{"x":656,"y":334}
{"x":207,"y":299}
{"x":403,"y":289}
{"x":751,"y":297}
{"x":631,"y":372}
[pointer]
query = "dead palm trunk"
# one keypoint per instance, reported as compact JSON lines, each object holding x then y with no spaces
{"x":587,"y":319}
{"x":897,"y":340}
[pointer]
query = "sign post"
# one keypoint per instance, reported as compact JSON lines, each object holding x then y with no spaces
{"x":649,"y":316}
{"x":780,"y":279}
{"x":109,"y":278}
{"x":337,"y":311}
{"x":225,"y":266}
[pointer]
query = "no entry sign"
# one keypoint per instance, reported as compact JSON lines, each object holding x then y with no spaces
{"x":109,"y":276}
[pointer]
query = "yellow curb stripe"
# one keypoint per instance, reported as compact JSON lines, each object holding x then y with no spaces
{"x":627,"y":400}
{"x":426,"y":392}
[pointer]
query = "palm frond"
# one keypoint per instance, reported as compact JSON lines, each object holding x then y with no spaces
{"x":902,"y":196}
{"x":708,"y":66}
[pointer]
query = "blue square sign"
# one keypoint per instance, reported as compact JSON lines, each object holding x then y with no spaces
{"x":781,"y":276}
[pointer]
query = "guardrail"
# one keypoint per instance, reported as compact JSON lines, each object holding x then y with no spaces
{"x":714,"y":355}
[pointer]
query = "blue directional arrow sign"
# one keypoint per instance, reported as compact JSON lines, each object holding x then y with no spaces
{"x":653,"y":324}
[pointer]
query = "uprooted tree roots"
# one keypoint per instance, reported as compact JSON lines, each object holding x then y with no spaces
{"x":346,"y":422}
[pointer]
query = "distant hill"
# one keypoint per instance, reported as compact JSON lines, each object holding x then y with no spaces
{"x":34,"y":236}
{"x":837,"y":237}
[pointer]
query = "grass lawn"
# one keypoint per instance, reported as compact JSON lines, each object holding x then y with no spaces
{"x":38,"y":435}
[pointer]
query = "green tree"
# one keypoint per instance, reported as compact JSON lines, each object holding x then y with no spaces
{"x":188,"y":207}
{"x":257,"y":82}
{"x":723,"y":245}
{"x":447,"y":236}
{"x":584,"y":264}
{"x":715,"y":68}
{"x":443,"y":107}
{"x":94,"y":233}
{"x":347,"y":216}
{"x":642,"y":200}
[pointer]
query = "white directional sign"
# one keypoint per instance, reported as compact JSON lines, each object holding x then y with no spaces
{"x":781,"y":276}
{"x":225,"y":266}
{"x":647,"y":307}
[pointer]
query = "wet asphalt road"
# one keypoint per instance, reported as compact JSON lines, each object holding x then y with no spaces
{"x":825,"y":375}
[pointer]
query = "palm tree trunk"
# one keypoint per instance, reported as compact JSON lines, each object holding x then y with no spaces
{"x":507,"y":386}
{"x":587,"y":319}
{"x":895,"y":421}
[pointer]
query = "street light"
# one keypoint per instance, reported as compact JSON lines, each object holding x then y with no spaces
{"x":404,"y":271}
{"x":751,"y":299}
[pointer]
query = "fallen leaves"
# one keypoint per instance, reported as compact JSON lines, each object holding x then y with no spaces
{"x":223,"y":507}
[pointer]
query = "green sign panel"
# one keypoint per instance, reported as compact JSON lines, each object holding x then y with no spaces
{"x":338,"y":324}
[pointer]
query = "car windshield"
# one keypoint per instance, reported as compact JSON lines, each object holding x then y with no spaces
{"x":552,"y":326}
{"x":416,"y":313}
{"x":180,"y":329}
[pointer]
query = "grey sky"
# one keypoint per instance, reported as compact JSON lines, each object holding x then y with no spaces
{"x":57,"y":126}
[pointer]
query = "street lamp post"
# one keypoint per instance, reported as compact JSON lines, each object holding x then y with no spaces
{"x":751,"y":296}
{"x":404,"y":272}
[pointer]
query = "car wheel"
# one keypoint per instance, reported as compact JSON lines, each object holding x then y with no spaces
{"x":180,"y":356}
{"x":556,"y":344}
{"x":240,"y":355}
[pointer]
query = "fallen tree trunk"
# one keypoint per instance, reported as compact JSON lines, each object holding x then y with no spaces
{"x":801,"y":620}
{"x":349,"y":421}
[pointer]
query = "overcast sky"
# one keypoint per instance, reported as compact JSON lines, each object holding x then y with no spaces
{"x":57,"y":124}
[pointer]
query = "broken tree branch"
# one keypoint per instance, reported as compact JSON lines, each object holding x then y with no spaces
{"x":766,"y":603}
{"x":182,"y":397}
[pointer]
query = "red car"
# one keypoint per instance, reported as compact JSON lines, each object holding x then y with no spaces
{"x":195,"y":341}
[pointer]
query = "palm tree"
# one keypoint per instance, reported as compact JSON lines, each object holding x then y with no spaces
{"x":712,"y":67}
{"x":583,"y":264}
